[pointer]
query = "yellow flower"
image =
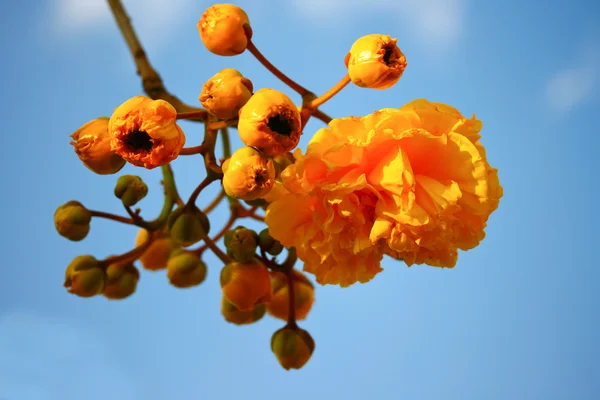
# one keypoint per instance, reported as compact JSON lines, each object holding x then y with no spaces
{"x":248,"y":175}
{"x":157,"y":254}
{"x":304,"y":296}
{"x":270,"y":121}
{"x":412,"y":182}
{"x":143,"y":131}
{"x":225,"y":93}
{"x":246,"y":285}
{"x":92,"y":146}
{"x":231,"y":313}
{"x":225,"y":29}
{"x":375,"y":61}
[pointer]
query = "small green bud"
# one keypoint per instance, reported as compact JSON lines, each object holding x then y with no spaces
{"x":85,"y":277}
{"x":268,"y":244}
{"x":293,"y":347}
{"x":121,"y":281}
{"x":241,"y":244}
{"x":232,"y":314}
{"x":130,"y":189}
{"x":260,"y":203}
{"x":188,"y":225}
{"x":72,"y":220}
{"x":185,"y":269}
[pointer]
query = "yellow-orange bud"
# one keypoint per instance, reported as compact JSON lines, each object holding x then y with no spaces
{"x":270,"y":121}
{"x":92,"y":146}
{"x":185,"y":269}
{"x":375,"y":62}
{"x":143,"y":131}
{"x":156,"y":256}
{"x":121,"y":281}
{"x":224,"y":94}
{"x":231,"y":313}
{"x":85,"y":277}
{"x":225,"y":29}
{"x":292,"y":346}
{"x":304,"y":295}
{"x":246,"y":285}
{"x":248,"y":175}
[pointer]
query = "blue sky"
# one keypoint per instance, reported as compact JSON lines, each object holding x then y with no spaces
{"x":516,"y":319}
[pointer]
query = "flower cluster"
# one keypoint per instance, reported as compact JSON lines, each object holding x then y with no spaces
{"x":413,"y":183}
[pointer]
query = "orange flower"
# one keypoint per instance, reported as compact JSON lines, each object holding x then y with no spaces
{"x":225,"y":29}
{"x":92,"y":146}
{"x":157,"y":254}
{"x":246,"y":285}
{"x":225,"y":93}
{"x":270,"y":121}
{"x":412,"y":182}
{"x":248,"y":175}
{"x":304,"y":295}
{"x":375,"y":61}
{"x":143,"y":131}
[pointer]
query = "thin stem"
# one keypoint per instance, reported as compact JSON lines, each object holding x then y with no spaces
{"x":139,"y":221}
{"x":194,"y":196}
{"x":226,"y":142}
{"x":216,"y":125}
{"x":215,"y":249}
{"x":130,"y":255}
{"x":118,"y":218}
{"x":195,"y":115}
{"x":315,"y":103}
{"x":219,"y":235}
{"x":170,"y":199}
{"x":210,"y":161}
{"x":263,"y":60}
{"x":291,"y":322}
{"x":189,"y":151}
{"x":318,"y":114}
{"x":151,"y":80}
{"x":213,"y":204}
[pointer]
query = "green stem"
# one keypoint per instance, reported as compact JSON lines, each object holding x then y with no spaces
{"x":170,"y":198}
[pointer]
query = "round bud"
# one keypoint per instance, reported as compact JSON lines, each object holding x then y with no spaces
{"x":292,"y":346}
{"x":157,"y":254}
{"x":188,"y":225}
{"x":248,"y":175}
{"x":225,"y":29}
{"x":130,"y":189}
{"x":304,"y":295}
{"x":121,"y":281}
{"x":246,"y":285}
{"x":185,"y":269}
{"x":268,"y":244}
{"x":85,"y":277}
{"x":241,"y":244}
{"x":232,"y":314}
{"x":92,"y":145}
{"x":72,"y":220}
{"x":225,"y":93}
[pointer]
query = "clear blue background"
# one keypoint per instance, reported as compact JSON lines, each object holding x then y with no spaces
{"x":516,"y":319}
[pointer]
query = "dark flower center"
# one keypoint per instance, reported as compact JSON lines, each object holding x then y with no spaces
{"x":388,"y":55}
{"x":260,"y":178}
{"x":280,"y":124}
{"x":139,"y":140}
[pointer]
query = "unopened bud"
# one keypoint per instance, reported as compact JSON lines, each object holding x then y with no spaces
{"x":293,"y":347}
{"x":121,"y":281}
{"x":130,"y":189}
{"x":232,"y":314}
{"x":85,"y":277}
{"x":185,"y":269}
{"x":246,"y":285}
{"x":72,"y":220}
{"x":188,"y":225}
{"x":268,"y":244}
{"x":241,"y":244}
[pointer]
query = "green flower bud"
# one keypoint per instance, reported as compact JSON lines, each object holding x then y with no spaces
{"x":85,"y":277}
{"x":72,"y":220}
{"x":241,"y":244}
{"x":235,"y":316}
{"x":188,"y":225}
{"x":130,"y":189}
{"x":185,"y":269}
{"x":121,"y":281}
{"x":268,"y":244}
{"x":293,"y":347}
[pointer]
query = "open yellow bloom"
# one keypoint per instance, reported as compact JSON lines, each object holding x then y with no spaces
{"x":92,"y":146}
{"x":224,"y":29}
{"x":412,"y":182}
{"x":375,"y":61}
{"x":143,"y":131}
{"x":248,"y":175}
{"x":225,"y":93}
{"x":270,"y":121}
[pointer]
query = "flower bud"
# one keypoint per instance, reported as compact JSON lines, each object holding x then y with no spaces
{"x":188,"y":225}
{"x":304,"y":295}
{"x":246,"y":285}
{"x":268,"y":244}
{"x":130,"y":189}
{"x":293,"y":347}
{"x":185,"y":269}
{"x":235,"y":316}
{"x":375,"y":62}
{"x":85,"y":277}
{"x":241,"y":244}
{"x":225,"y":29}
{"x":121,"y":281}
{"x":72,"y":220}
{"x":248,"y":175}
{"x":224,"y":94}
{"x":143,"y":131}
{"x":92,"y":146}
{"x":270,"y":121}
{"x":157,"y":254}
